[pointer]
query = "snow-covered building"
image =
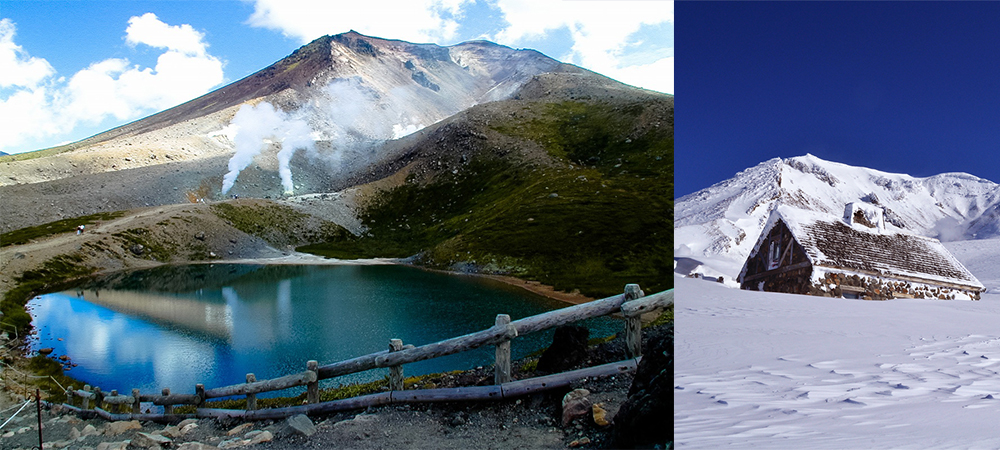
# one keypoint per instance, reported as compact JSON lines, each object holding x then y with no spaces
{"x":807,"y":252}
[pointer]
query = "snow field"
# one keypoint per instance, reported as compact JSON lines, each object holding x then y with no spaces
{"x":767,"y":370}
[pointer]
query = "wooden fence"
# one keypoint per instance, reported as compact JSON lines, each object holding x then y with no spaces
{"x":631,"y":304}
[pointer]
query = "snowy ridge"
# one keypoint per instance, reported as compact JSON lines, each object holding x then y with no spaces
{"x":724,"y":221}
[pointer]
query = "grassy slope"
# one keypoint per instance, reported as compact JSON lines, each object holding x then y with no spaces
{"x":53,"y":273}
{"x":23,"y":235}
{"x":599,"y":218}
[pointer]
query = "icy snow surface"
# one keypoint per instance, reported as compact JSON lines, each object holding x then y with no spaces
{"x":768,"y":370}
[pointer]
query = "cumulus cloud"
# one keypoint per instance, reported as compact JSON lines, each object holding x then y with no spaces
{"x":600,"y":31}
{"x":39,"y":105}
{"x":148,"y":29}
{"x":415,"y":20}
{"x":17,"y":68}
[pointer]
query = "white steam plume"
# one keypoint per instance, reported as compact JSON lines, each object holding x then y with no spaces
{"x":256,"y":125}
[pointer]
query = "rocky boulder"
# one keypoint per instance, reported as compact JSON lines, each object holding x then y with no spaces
{"x":646,"y":418}
{"x":568,"y":349}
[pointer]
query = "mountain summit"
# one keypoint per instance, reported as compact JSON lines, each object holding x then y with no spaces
{"x":348,"y":89}
{"x":726,"y":218}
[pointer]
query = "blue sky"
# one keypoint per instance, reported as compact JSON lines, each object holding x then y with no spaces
{"x":903,"y":87}
{"x":71,"y":69}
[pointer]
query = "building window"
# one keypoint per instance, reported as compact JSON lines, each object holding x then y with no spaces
{"x":773,"y":255}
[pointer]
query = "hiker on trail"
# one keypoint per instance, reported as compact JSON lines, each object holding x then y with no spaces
{"x":79,"y":229}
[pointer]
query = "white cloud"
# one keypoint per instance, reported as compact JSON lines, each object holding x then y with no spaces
{"x":16,"y":67}
{"x":148,"y":29}
{"x":43,"y":107}
{"x":306,"y":20}
{"x":599,"y":30}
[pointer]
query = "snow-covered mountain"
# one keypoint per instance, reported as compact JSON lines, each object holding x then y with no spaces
{"x":724,"y":221}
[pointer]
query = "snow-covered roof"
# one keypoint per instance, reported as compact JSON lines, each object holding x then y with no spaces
{"x":829,"y":242}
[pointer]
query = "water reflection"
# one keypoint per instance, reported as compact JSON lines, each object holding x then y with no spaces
{"x":269,"y":320}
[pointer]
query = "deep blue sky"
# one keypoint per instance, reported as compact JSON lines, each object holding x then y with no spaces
{"x":895,"y":86}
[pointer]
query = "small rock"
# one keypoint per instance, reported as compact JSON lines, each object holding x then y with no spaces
{"x":195,"y":446}
{"x":123,"y":445}
{"x":300,"y":425}
{"x":575,"y":404}
{"x":116,"y":428}
{"x":188,"y":428}
{"x":172,"y":432}
{"x":579,"y":442}
{"x":200,"y":236}
{"x":74,"y":434}
{"x":600,"y":415}
{"x":239,"y":429}
{"x":57,"y":444}
{"x":45,"y":351}
{"x":263,"y":436}
{"x":186,"y":422}
{"x":234,"y":443}
{"x":8,"y":434}
{"x":137,"y":249}
{"x":251,"y":434}
{"x":151,"y":441}
{"x":89,"y":430}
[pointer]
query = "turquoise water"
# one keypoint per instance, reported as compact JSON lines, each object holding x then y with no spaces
{"x":178,"y":326}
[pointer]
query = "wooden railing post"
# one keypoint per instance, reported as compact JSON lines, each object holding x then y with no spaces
{"x":633,"y":326}
{"x":199,"y":390}
{"x":136,"y":405}
{"x":395,"y":372}
{"x":98,"y":397}
{"x":85,"y":404}
{"x":251,"y":398}
{"x":501,"y":372}
{"x":312,"y":389}
{"x":167,"y":409}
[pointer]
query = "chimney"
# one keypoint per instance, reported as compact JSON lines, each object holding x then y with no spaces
{"x":870,"y":216}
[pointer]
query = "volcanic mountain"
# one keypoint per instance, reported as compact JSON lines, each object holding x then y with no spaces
{"x":725,"y":220}
{"x":348,"y":87}
{"x":352,"y":91}
{"x":472,"y":157}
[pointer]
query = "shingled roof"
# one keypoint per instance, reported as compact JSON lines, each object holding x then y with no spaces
{"x":831,"y":243}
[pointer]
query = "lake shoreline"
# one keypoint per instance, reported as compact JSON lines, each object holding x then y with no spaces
{"x":297,"y":258}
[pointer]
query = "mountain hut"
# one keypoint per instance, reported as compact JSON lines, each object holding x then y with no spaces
{"x":806,"y":252}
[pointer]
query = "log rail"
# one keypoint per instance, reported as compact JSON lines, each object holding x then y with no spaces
{"x":630,"y":304}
